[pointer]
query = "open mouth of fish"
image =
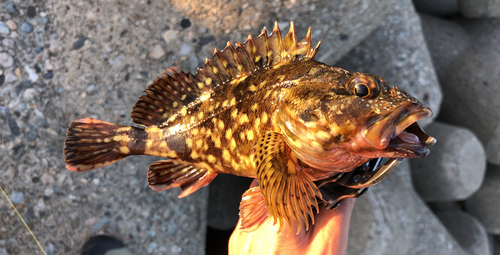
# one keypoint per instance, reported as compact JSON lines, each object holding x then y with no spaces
{"x":400,"y":132}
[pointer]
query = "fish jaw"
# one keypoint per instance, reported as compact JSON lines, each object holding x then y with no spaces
{"x":396,"y":135}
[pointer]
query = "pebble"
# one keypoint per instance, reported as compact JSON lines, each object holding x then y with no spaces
{"x":100,"y":224}
{"x":170,"y":36}
{"x":454,"y":169}
{"x":42,"y":20}
{"x":185,"y":49}
{"x":3,"y":28}
{"x":29,"y":94}
{"x":467,"y":230}
{"x":90,"y":88}
{"x":11,"y":24}
{"x":16,"y":197}
{"x":49,"y":75}
{"x":2,"y":79}
{"x":10,"y":7}
{"x":6,"y":60}
{"x":80,"y":42}
{"x":485,"y":203}
{"x":49,"y":249}
{"x":26,"y":27}
{"x":31,"y":11}
{"x":152,"y":246}
{"x":47,"y":179}
{"x":31,"y":135}
{"x":33,"y":76}
{"x":157,"y":52}
{"x":3,"y":251}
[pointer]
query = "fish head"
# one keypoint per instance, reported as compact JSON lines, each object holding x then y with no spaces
{"x":353,"y":119}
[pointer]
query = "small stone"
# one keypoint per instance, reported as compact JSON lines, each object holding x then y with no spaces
{"x":80,"y":42}
{"x":16,"y":197}
{"x":90,"y":88}
{"x":75,"y":223}
{"x":467,"y":230}
{"x":31,"y":11}
{"x":33,"y":76}
{"x":11,"y":24}
{"x":48,"y":192}
{"x":2,"y":79}
{"x":29,"y":94}
{"x":26,"y":27}
{"x":100,"y":224}
{"x":48,"y":65}
{"x":49,"y":249}
{"x":31,"y":135}
{"x":170,"y":36}
{"x":18,"y":72}
{"x":49,"y":75}
{"x":6,"y":60}
{"x":152,"y":246}
{"x":26,"y":84}
{"x":10,"y":7}
{"x":90,"y":221}
{"x":47,"y":179}
{"x":185,"y":23}
{"x":3,"y":251}
{"x":3,"y":28}
{"x":185,"y":49}
{"x":157,"y":52}
{"x":42,"y":20}
{"x":454,"y":169}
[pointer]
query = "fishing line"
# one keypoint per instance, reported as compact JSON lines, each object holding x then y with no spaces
{"x":26,"y":225}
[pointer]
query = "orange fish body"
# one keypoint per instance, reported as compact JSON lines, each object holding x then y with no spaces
{"x":263,"y":109}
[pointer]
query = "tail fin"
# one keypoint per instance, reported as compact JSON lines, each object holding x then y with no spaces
{"x":92,"y":144}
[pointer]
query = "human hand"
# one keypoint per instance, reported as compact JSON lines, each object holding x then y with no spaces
{"x":327,"y":236}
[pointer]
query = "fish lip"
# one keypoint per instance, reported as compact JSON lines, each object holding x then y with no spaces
{"x":384,"y":132}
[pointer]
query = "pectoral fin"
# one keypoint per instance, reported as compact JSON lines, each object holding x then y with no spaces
{"x":288,"y":193}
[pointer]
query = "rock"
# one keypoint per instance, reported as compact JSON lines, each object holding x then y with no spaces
{"x":32,"y":75}
{"x":446,"y":40}
{"x":26,"y":27}
{"x":480,"y":8}
{"x":467,"y":230}
{"x":6,"y":60}
{"x":31,"y":11}
{"x":185,"y":49}
{"x":80,"y":42}
{"x":392,"y":219}
{"x":484,"y":204}
{"x":157,"y":52}
{"x":11,"y":24}
{"x":396,"y":51}
{"x":224,"y":200}
{"x":437,"y":7}
{"x":472,"y":76}
{"x":454,"y":169}
{"x":16,"y":197}
{"x":169,"y":36}
{"x":10,"y":6}
{"x":3,"y":28}
{"x":494,"y":245}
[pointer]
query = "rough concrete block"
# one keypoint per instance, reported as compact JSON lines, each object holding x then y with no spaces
{"x":467,"y":230}
{"x":437,"y":7}
{"x":396,"y":51}
{"x":470,"y":83}
{"x":484,"y":204}
{"x":454,"y":169}
{"x":392,"y":219}
{"x":446,"y":40}
{"x":480,"y":8}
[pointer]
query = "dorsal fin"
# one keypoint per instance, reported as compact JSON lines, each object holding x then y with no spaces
{"x":173,"y":89}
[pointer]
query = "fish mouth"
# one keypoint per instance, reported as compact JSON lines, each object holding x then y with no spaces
{"x":399,"y":132}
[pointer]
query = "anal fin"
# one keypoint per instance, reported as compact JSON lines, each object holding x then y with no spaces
{"x":167,"y":174}
{"x":253,"y":209}
{"x":288,"y":192}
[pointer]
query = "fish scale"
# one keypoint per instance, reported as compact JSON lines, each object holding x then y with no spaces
{"x":264,"y":109}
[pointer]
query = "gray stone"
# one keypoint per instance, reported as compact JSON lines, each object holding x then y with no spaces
{"x":396,"y":51}
{"x":16,"y":197}
{"x":484,"y":204}
{"x":157,"y":52}
{"x":10,"y":6}
{"x":26,"y":27}
{"x":454,"y":169}
{"x":6,"y":60}
{"x":224,"y":200}
{"x":3,"y":28}
{"x":445,"y":39}
{"x":185,"y":49}
{"x":480,"y":8}
{"x":437,"y":7}
{"x":467,"y":230}
{"x":3,"y":251}
{"x":471,"y":87}
{"x":392,"y":219}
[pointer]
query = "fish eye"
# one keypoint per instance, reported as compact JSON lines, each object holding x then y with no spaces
{"x":361,"y":90}
{"x":364,"y":86}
